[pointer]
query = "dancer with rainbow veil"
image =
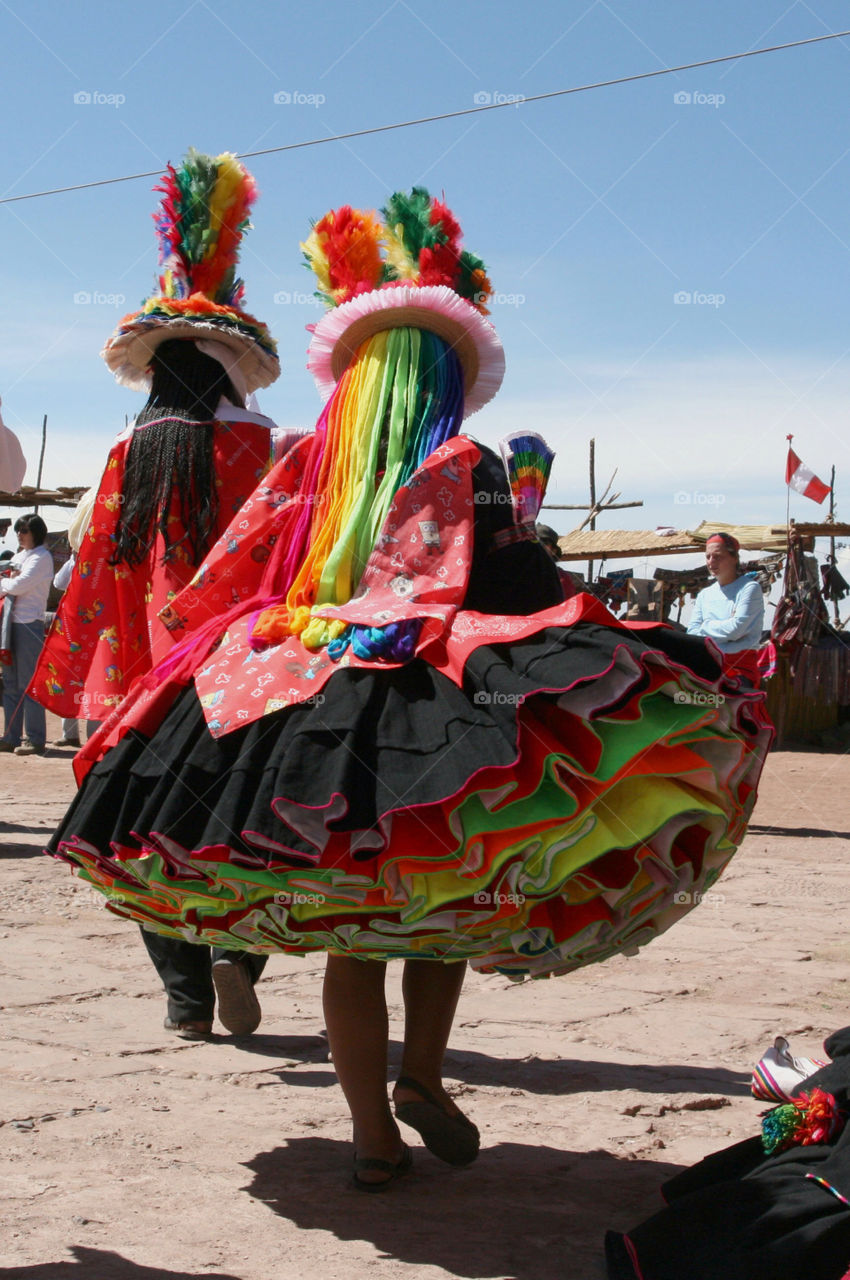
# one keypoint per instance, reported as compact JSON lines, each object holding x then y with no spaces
{"x":383,"y":734}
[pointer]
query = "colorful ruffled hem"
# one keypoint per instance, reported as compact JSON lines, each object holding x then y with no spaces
{"x":623,"y":799}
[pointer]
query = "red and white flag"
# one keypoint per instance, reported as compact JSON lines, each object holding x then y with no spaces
{"x":801,"y":478}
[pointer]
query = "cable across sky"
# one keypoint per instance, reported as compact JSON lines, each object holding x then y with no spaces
{"x":518,"y":101}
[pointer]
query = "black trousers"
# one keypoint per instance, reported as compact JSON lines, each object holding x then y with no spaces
{"x":186,"y":972}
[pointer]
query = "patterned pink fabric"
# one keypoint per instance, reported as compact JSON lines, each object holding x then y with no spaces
{"x":419,"y":569}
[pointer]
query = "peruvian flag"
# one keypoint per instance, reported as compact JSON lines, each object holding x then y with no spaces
{"x":799,"y":477}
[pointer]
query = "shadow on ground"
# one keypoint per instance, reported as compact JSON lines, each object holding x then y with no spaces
{"x":101,"y":1264}
{"x":796,"y":832}
{"x":523,"y":1212}
{"x":560,"y":1077}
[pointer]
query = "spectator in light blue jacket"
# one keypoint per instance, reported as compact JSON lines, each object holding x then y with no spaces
{"x":730,"y":611}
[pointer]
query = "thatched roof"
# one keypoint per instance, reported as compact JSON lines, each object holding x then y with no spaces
{"x":770,"y":537}
{"x":608,"y":544}
{"x":613,"y":544}
{"x":29,"y":497}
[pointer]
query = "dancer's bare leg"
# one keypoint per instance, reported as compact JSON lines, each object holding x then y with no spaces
{"x":431,"y":990}
{"x":358,"y":1030}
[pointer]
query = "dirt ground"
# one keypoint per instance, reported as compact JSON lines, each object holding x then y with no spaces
{"x":127,"y":1154}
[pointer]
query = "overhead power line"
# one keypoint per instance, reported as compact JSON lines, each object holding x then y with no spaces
{"x":452,"y":115}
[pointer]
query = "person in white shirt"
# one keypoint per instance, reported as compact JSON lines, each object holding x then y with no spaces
{"x":730,"y":611}
{"x":25,"y":589}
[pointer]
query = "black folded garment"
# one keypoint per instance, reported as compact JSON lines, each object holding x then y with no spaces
{"x":743,"y":1215}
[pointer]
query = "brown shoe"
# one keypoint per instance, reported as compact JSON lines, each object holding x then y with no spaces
{"x":238,"y":1007}
{"x":189,"y":1030}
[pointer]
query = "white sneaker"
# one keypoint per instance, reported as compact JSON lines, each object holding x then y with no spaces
{"x":778,"y":1075}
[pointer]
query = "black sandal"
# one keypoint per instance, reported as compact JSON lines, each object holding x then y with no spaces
{"x":453,"y":1138}
{"x":393,"y":1171}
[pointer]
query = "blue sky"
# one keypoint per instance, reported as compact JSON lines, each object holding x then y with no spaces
{"x":593,"y":212}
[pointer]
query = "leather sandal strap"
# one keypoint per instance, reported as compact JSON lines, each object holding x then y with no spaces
{"x":407,"y":1082}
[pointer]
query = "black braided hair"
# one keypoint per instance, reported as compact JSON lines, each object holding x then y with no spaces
{"x":169,"y":469}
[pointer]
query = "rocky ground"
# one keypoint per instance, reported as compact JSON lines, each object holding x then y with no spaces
{"x":127,"y":1154}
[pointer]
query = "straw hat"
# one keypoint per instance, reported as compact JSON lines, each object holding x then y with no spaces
{"x":201,"y":220}
{"x":408,"y":272}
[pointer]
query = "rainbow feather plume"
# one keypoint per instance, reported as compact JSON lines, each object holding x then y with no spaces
{"x":344,"y":251}
{"x":203,"y":213}
{"x":528,"y":462}
{"x":473,"y":283}
{"x":408,"y":230}
{"x":419,"y":243}
{"x":423,"y":247}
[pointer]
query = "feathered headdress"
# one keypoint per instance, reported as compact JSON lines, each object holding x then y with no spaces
{"x":199,"y":225}
{"x":408,"y":271}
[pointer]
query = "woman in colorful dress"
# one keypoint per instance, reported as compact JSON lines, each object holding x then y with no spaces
{"x":176,"y":477}
{"x":383,"y":734}
{"x":172,"y":483}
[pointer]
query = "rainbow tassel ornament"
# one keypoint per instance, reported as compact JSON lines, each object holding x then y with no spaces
{"x":809,"y":1118}
{"x":528,"y":462}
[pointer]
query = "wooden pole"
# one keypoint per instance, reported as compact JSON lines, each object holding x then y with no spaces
{"x":592,"y":501}
{"x":41,"y":457}
{"x":836,"y":617}
{"x":582,"y":506}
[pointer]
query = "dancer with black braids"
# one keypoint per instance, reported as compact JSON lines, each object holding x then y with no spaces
{"x":173,"y":481}
{"x":177,"y":476}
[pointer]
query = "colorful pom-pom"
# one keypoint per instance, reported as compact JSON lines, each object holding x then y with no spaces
{"x":344,"y":250}
{"x":808,"y":1119}
{"x":419,"y":243}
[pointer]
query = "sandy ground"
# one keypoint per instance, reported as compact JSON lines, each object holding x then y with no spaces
{"x":128,"y":1154}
